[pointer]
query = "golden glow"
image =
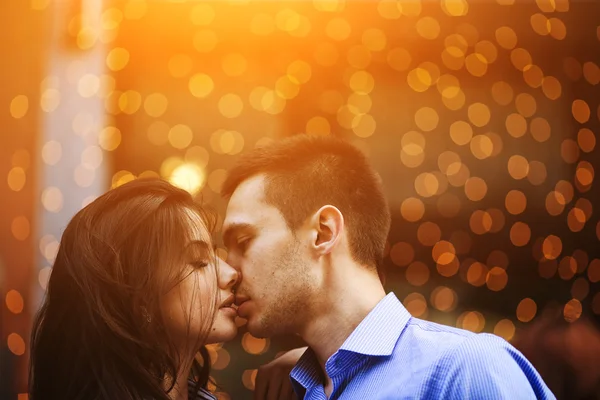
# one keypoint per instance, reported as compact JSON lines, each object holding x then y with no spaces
{"x":403,"y":254}
{"x":254,"y":345}
{"x":249,"y":378}
{"x":156,"y":104}
{"x":586,"y":140}
{"x":202,"y":14}
{"x":262,"y":24}
{"x":455,"y":8}
{"x":581,"y":111}
{"x":180,"y":136}
{"x":518,"y":167}
{"x":205,"y":41}
{"x":551,"y":87}
{"x":287,"y":87}
{"x":593,"y":271}
{"x":479,"y":114}
{"x":329,"y":5}
{"x":135,"y":9}
{"x":234,"y":64}
{"x":20,"y":228}
{"x":475,"y":188}
{"x":16,"y":179}
{"x":19,"y":106}
{"x":88,"y":85}
{"x":14,"y":301}
{"x":52,"y":199}
{"x":338,"y":29}
{"x":109,"y":138}
{"x":230,"y":105}
{"x":476,"y":149}
{"x":16,"y":344}
{"x":472,"y":321}
{"x":117,"y":59}
{"x":444,"y":298}
{"x":526,"y":310}
{"x":515,"y":202}
{"x":552,"y":247}
{"x":201,"y":85}
{"x":130,"y":101}
{"x":461,"y":132}
{"x":443,"y":252}
{"x":426,"y":119}
{"x":526,"y":104}
{"x":216,"y":179}
{"x":428,"y":28}
{"x":476,"y":64}
{"x":591,"y":73}
{"x":226,"y":142}
{"x":416,"y":305}
{"x":505,"y":328}
{"x":417,"y":274}
{"x":390,"y":9}
{"x":326,"y":54}
{"x":516,"y":125}
{"x":506,"y":37}
{"x":318,"y":126}
{"x":50,"y":100}
{"x":374,"y":39}
{"x":51,"y":152}
{"x":189,"y":177}
{"x":299,"y":71}
{"x":520,"y":234}
{"x":572,"y":310}
{"x":429,"y":233}
{"x":482,"y":146}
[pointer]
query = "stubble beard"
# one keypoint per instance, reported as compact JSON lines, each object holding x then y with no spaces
{"x":288,"y":304}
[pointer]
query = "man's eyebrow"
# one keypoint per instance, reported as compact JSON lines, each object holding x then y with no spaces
{"x":234,"y":228}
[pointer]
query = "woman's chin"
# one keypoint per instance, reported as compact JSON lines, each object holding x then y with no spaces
{"x":223,"y":331}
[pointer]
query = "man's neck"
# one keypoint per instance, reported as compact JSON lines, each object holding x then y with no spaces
{"x":346,"y":303}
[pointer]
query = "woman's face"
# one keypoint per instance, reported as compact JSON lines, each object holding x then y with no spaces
{"x":187,"y":308}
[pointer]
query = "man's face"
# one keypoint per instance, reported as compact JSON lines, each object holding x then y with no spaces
{"x":273,"y":263}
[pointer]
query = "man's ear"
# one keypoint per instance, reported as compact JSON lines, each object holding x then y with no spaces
{"x":327,"y":225}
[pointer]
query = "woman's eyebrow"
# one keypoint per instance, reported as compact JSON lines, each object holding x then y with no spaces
{"x":197,"y":246}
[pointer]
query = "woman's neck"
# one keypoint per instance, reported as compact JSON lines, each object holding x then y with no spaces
{"x":181,"y":386}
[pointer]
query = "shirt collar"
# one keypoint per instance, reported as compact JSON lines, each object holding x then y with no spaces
{"x":306,"y":372}
{"x":376,"y":335}
{"x":379,"y":331}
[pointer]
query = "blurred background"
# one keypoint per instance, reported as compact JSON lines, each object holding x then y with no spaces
{"x":482,"y":118}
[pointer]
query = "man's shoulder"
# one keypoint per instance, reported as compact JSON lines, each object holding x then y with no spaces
{"x":437,"y":346}
{"x":433,"y":336}
{"x":454,"y":344}
{"x":482,"y":365}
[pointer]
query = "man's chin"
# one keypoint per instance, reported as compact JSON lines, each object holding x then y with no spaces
{"x":257,"y":328}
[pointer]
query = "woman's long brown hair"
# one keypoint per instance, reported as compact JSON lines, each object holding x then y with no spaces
{"x":100,"y":333}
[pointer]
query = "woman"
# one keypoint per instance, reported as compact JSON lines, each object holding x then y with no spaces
{"x":135,"y":293}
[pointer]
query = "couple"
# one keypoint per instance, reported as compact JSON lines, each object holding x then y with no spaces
{"x":137,"y":291}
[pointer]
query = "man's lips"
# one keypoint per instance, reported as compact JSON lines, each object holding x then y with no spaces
{"x":240,"y":299}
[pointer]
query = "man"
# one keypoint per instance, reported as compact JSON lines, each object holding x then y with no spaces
{"x":306,"y":226}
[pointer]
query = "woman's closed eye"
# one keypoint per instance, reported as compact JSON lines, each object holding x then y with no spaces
{"x":199,"y":264}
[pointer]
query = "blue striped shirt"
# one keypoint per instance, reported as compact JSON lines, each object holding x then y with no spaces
{"x":391,"y":355}
{"x":202,"y":394}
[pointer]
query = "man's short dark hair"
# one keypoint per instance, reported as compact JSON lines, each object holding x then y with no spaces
{"x":304,"y":173}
